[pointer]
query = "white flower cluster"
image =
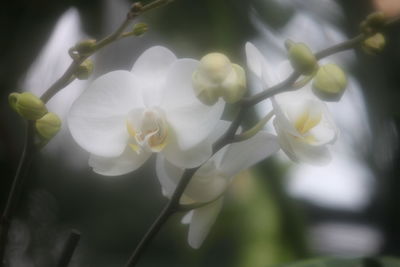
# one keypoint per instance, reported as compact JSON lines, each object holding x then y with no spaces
{"x":126,"y":116}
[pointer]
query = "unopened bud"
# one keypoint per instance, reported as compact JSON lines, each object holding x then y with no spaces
{"x":374,"y":44}
{"x":373,"y":23}
{"x":140,"y":28}
{"x":218,"y":77}
{"x":234,"y":87}
{"x":301,"y":57}
{"x":85,"y":48}
{"x":330,"y":82}
{"x":84,"y":70}
{"x":27,"y":105}
{"x":48,"y":126}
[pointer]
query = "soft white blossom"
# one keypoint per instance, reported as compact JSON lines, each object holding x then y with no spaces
{"x":125,"y":116}
{"x":303,"y":122}
{"x":212,"y":179}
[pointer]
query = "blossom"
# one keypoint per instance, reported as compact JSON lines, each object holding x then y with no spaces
{"x":123,"y":117}
{"x":303,"y":122}
{"x":212,"y":179}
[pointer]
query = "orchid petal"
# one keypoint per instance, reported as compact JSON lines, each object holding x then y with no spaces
{"x":243,"y":155}
{"x":97,"y":119}
{"x":202,"y":221}
{"x":152,"y":67}
{"x":125,"y":163}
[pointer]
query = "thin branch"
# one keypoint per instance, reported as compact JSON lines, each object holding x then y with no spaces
{"x":170,"y":208}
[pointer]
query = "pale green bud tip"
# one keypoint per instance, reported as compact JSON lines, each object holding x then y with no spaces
{"x":330,"y":82}
{"x":48,"y":126}
{"x":86,"y":47}
{"x":235,"y":87}
{"x":140,"y":28}
{"x":301,"y":57}
{"x":215,"y":66}
{"x":217,"y":77}
{"x":84,"y":70}
{"x":374,"y":44}
{"x":27,"y":105}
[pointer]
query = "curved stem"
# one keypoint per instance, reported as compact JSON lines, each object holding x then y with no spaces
{"x":170,"y":208}
{"x":16,"y":187}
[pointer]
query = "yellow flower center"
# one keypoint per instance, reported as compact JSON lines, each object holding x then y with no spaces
{"x":151,"y":133}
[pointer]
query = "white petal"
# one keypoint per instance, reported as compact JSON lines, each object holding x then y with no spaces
{"x":254,"y":59}
{"x":202,"y":221}
{"x":196,"y":155}
{"x":193,"y":124}
{"x":316,"y":155}
{"x":243,"y":155}
{"x":300,"y":151}
{"x":97,"y":118}
{"x":191,"y":120}
{"x":168,"y":175}
{"x":125,"y":163}
{"x":258,"y":64}
{"x":151,"y":70}
{"x":178,"y":90}
{"x":281,"y":119}
{"x":187,"y":218}
{"x":326,"y":131}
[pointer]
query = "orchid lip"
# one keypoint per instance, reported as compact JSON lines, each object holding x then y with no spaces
{"x":151,"y":133}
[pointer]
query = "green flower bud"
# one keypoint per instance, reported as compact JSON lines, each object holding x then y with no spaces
{"x":330,"y":82}
{"x":218,"y":77}
{"x":301,"y":57}
{"x":374,"y":44}
{"x":140,"y":28}
{"x":27,"y":105}
{"x":84,"y":70}
{"x":48,"y":126}
{"x":86,"y":48}
{"x":373,"y":23}
{"x":235,"y":88}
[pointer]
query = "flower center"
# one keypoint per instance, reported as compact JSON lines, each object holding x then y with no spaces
{"x":150,"y":132}
{"x":305,"y":122}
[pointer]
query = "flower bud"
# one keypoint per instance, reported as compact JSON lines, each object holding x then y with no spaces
{"x":140,"y":28}
{"x":374,"y":44}
{"x":48,"y":126}
{"x":329,"y":83}
{"x":235,"y":86}
{"x":84,"y":70}
{"x":301,"y":57}
{"x":218,"y":77}
{"x":27,"y":105}
{"x":85,"y":48}
{"x":373,"y":23}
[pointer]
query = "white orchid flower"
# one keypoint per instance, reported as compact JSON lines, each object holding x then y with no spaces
{"x":123,"y":117}
{"x":212,"y":179}
{"x":302,"y":121}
